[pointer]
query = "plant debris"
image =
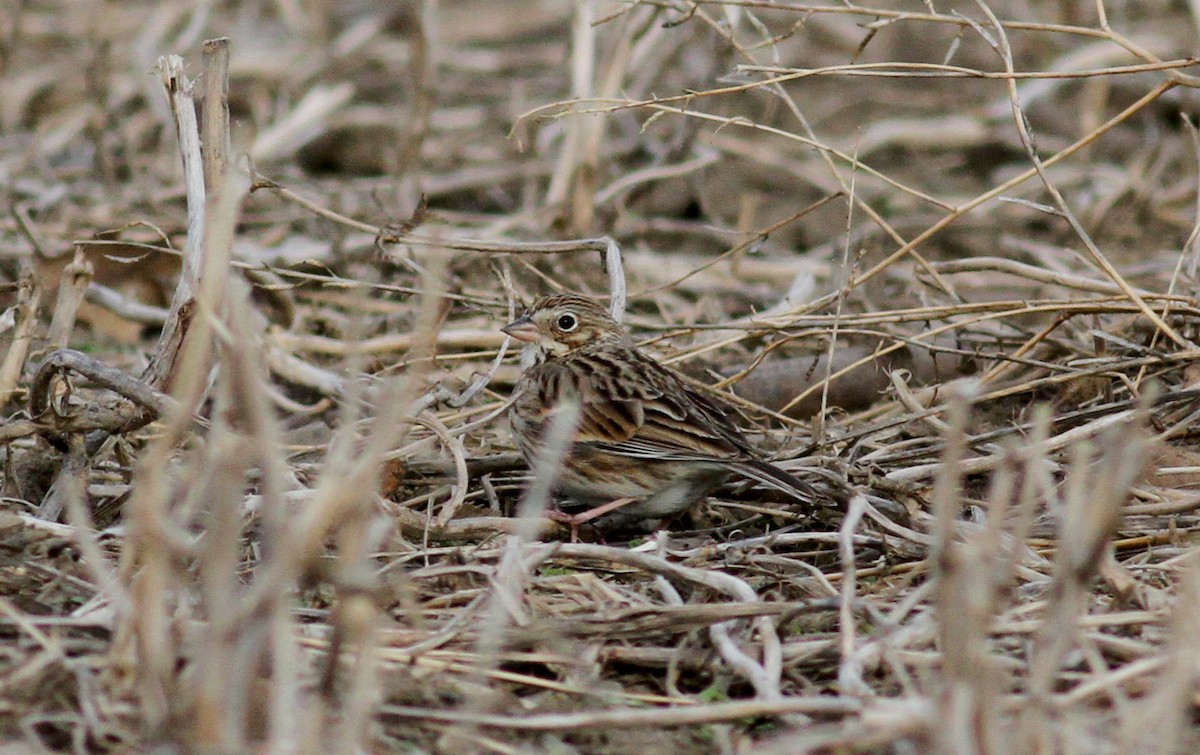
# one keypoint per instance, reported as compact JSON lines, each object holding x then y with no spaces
{"x":258,"y":492}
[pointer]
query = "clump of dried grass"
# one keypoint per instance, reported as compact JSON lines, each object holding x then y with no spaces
{"x":293,"y":531}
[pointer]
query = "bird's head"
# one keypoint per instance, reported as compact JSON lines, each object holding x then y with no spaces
{"x":559,"y":324}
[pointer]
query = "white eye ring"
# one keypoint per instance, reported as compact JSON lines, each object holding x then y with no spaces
{"x":566,"y":323}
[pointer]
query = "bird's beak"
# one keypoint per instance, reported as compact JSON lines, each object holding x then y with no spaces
{"x":522,"y":329}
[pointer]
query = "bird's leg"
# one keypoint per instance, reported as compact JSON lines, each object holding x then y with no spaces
{"x":574,"y":521}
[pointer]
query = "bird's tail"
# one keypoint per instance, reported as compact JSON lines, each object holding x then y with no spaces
{"x":774,"y":477}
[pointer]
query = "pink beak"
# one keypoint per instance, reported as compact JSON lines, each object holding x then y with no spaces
{"x":522,"y":329}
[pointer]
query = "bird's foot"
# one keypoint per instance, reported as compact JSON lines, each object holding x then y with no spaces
{"x":575,"y":521}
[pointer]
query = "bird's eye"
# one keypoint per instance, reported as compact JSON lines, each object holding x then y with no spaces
{"x":566,"y":323}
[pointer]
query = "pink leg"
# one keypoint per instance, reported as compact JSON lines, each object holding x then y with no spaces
{"x":575,"y":520}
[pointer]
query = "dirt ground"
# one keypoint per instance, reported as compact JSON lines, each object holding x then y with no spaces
{"x":258,"y":492}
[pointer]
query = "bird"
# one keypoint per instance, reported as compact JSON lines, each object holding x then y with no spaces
{"x":646,"y":444}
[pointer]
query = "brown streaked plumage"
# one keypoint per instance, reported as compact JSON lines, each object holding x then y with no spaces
{"x":644,"y":437}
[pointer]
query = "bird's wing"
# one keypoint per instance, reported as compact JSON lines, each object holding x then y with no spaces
{"x":635,"y":407}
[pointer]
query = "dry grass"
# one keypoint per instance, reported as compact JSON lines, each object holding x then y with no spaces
{"x":944,"y":251}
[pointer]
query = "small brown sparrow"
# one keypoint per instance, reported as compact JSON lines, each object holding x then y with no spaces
{"x":645,"y":442}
